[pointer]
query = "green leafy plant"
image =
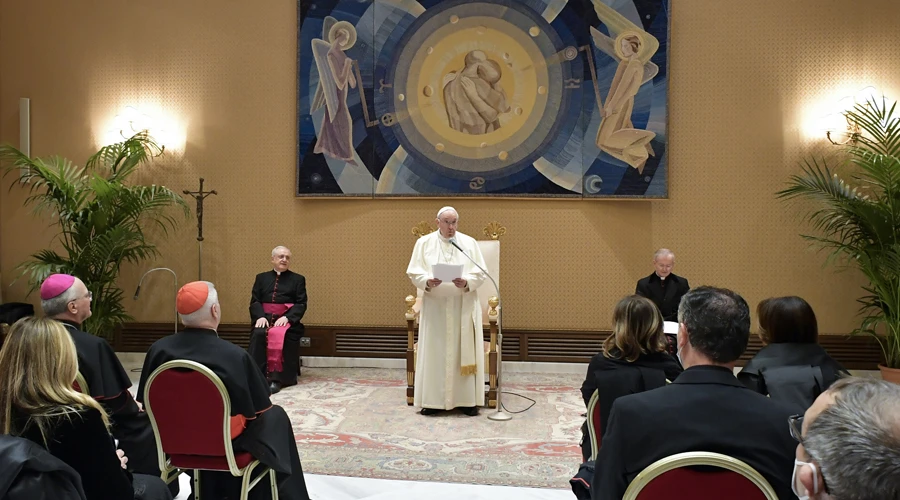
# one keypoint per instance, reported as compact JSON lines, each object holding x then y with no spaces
{"x":102,"y":219}
{"x":856,"y":213}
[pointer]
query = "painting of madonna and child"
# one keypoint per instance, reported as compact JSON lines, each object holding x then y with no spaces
{"x":482,"y":98}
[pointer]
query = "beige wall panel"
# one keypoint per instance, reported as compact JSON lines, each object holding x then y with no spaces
{"x":746,"y":79}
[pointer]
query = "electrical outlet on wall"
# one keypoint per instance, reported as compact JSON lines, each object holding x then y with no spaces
{"x":304,"y":341}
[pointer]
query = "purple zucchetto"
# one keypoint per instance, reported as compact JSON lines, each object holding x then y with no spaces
{"x":56,"y":284}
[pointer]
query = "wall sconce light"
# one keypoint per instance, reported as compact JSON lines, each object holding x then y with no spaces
{"x":166,"y":133}
{"x":841,"y":129}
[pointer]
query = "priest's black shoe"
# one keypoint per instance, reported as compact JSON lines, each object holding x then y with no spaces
{"x":275,"y":387}
{"x":471,"y":411}
{"x":429,"y":411}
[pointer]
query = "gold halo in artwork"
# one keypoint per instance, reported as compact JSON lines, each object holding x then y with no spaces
{"x":439,"y":147}
{"x":401,"y":97}
{"x":541,"y":90}
{"x":428,"y":91}
{"x":345,"y":26}
{"x":631,"y":36}
{"x":503,"y":155}
{"x":454,"y":19}
{"x":534,"y":31}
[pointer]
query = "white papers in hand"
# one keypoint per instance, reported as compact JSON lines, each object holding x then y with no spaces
{"x":447,"y":272}
{"x":670,"y":327}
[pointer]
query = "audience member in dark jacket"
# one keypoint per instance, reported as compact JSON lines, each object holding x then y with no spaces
{"x":633,"y":360}
{"x":38,"y":365}
{"x":29,"y":472}
{"x":791,"y":366}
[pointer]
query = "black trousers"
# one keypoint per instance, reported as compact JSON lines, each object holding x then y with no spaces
{"x":291,"y":363}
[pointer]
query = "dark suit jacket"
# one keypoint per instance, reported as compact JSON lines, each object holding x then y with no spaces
{"x":705,"y":409}
{"x":615,"y":378}
{"x":789,"y":354}
{"x":667,"y":302}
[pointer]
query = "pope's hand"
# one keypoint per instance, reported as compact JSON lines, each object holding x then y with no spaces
{"x":282,"y":321}
{"x":460,"y":283}
{"x":262,"y":323}
{"x":433,"y":283}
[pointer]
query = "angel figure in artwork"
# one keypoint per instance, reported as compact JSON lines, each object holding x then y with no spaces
{"x":335,"y":80}
{"x":632,"y":47}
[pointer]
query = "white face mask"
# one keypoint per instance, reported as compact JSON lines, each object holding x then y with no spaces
{"x":799,"y":489}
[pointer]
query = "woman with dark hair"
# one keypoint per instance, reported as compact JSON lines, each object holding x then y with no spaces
{"x":634,"y":359}
{"x":38,"y":365}
{"x":790,"y":336}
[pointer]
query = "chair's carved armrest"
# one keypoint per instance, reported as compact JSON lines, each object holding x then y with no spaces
{"x":493,"y":310}
{"x":411,"y":314}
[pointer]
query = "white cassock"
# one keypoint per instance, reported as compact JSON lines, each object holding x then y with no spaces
{"x":451,"y":338}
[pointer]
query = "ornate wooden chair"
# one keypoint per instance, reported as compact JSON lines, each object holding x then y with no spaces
{"x":490,"y":250}
{"x":675,"y":478}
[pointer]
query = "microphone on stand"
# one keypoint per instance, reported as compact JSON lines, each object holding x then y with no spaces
{"x":500,"y":415}
{"x":137,"y":291}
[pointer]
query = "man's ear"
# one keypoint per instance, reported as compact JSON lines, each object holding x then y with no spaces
{"x":812,"y":482}
{"x":683,"y":338}
{"x":214,"y":311}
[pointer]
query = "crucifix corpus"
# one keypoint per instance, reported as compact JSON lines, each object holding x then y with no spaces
{"x":200,"y":196}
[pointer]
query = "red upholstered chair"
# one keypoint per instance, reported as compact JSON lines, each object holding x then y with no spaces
{"x":674,"y":478}
{"x":190,"y":411}
{"x":593,"y":423}
{"x":80,"y":384}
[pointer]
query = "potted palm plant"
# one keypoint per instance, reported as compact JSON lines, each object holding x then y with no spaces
{"x":103,"y":219}
{"x":856,"y":215}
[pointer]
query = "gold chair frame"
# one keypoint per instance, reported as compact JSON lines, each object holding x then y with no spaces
{"x":492,"y":361}
{"x":593,"y":434}
{"x":170,"y":472}
{"x":695,"y":458}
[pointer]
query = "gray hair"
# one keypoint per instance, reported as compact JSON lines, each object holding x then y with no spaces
{"x":279,"y":247}
{"x":201,"y":315}
{"x":59,"y":304}
{"x":717,"y":321}
{"x":856,"y":440}
{"x":662,"y":252}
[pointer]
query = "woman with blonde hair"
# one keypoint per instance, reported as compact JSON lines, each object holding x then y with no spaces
{"x":634,"y":359}
{"x":38,"y":366}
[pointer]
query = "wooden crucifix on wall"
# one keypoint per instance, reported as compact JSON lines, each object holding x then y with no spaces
{"x":200,"y":195}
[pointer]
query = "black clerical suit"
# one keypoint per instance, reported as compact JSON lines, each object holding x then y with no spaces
{"x":108,"y":383}
{"x":268,"y":435}
{"x":705,"y":409}
{"x":666,"y":294}
{"x":285,"y":288}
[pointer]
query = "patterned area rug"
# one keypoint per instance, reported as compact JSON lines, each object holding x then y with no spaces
{"x":355,"y":422}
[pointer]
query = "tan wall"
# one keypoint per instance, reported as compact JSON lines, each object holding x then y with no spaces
{"x":745,"y":79}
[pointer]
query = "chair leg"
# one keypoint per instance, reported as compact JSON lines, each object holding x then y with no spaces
{"x":196,"y":484}
{"x":274,"y":484}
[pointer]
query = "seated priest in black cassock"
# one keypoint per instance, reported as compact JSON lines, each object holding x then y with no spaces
{"x":265,"y":429}
{"x":65,"y":298}
{"x":664,"y":287}
{"x":277,"y":304}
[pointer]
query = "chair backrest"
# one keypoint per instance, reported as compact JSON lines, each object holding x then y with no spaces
{"x":190,"y":411}
{"x":678,"y":478}
{"x":593,"y":423}
{"x":81,"y":385}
